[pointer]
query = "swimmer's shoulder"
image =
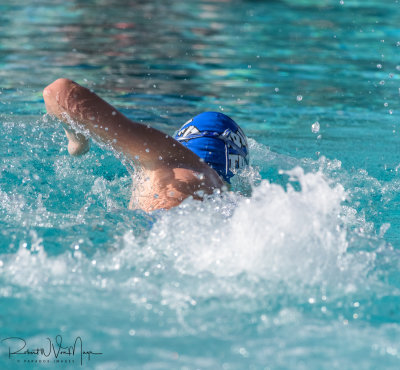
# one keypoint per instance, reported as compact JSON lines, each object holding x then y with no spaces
{"x":167,"y":187}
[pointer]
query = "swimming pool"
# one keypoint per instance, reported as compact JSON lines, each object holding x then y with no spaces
{"x":296,"y":269}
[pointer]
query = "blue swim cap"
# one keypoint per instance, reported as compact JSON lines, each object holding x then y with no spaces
{"x":218,"y":140}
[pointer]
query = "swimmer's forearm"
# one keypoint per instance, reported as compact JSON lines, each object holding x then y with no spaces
{"x":67,"y":100}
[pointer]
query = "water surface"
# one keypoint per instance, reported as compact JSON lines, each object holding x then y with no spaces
{"x":297,"y":268}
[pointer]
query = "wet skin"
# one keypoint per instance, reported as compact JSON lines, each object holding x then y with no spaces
{"x":170,"y":171}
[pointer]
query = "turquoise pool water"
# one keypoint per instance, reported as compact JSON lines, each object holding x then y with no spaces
{"x":298,"y":268}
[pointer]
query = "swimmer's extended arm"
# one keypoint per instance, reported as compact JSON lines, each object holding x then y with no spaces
{"x":172,"y":170}
{"x":153,"y":149}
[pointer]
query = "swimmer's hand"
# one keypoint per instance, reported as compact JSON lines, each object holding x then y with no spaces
{"x":78,"y":144}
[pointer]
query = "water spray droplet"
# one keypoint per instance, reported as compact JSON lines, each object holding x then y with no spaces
{"x":315,"y":127}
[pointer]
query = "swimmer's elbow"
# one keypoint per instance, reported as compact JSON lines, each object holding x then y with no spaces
{"x":57,"y":85}
{"x":52,"y":94}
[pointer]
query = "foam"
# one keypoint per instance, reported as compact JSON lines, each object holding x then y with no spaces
{"x":275,"y":234}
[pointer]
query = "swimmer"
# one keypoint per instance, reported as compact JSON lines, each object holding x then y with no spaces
{"x":201,"y":157}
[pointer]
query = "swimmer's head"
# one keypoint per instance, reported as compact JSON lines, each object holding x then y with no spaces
{"x":218,"y":140}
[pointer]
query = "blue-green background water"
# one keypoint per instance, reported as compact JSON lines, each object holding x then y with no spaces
{"x":275,"y":278}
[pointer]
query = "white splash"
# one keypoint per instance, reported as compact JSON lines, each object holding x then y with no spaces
{"x":275,"y":234}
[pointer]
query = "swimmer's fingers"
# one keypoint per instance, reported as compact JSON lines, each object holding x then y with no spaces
{"x":78,"y":144}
